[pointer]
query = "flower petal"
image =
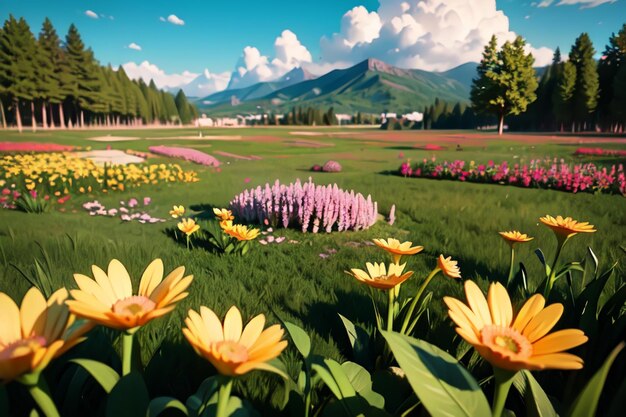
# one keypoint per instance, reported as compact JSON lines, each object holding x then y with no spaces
{"x":233,"y":325}
{"x":477,"y":302}
{"x":252,"y":331}
{"x":120,"y":280}
{"x":33,"y":313}
{"x":212,"y":324}
{"x":528,"y":311}
{"x":10,"y":331}
{"x":500,"y":305}
{"x":151,"y":278}
{"x":543,"y":322}
{"x":557,"y":361}
{"x":559,"y":341}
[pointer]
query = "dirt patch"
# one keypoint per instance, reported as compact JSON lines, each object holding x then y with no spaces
{"x":307,"y":133}
{"x":309,"y":144}
{"x":204,"y":137}
{"x":235,"y":156}
{"x":114,"y":157}
{"x":109,"y":138}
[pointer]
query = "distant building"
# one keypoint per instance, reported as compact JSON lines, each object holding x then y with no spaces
{"x":343,"y":118}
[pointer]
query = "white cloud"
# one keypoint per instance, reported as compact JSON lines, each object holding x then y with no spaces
{"x":92,"y":14}
{"x":207,"y":83}
{"x":584,"y":4}
{"x":148,"y":71}
{"x":175,"y":20}
{"x":134,"y":46}
{"x":429,"y":34}
{"x":253,"y":67}
{"x":162,"y":19}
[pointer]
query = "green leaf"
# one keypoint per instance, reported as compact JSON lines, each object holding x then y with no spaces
{"x":160,"y":404}
{"x":104,"y":374}
{"x":439,"y":381}
{"x":537,"y":402}
{"x":359,"y":340}
{"x":361,"y":381}
{"x":129,"y":397}
{"x":300,"y":339}
{"x":197,"y":402}
{"x":334,"y":377}
{"x":587,"y":401}
{"x":587,"y":303}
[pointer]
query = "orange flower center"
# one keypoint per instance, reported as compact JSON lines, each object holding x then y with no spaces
{"x":232,"y":351}
{"x":22,"y":347}
{"x":507,"y":341}
{"x":133,"y":306}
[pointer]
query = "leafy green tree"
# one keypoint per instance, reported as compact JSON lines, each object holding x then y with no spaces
{"x":585,"y":98}
{"x":563,"y":95}
{"x":515,"y":81}
{"x":169,"y":106}
{"x":17,"y":65}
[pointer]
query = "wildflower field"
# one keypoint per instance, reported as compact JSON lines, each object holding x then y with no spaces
{"x":201,"y":289}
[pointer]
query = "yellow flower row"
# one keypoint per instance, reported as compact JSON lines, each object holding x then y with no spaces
{"x":64,"y":171}
{"x":40,"y":330}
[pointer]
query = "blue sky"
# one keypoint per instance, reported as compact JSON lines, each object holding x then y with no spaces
{"x":214,"y":33}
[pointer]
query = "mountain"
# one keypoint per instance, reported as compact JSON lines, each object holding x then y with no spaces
{"x":464,"y":73}
{"x":204,"y":84}
{"x":370,"y":86}
{"x":256,"y":91}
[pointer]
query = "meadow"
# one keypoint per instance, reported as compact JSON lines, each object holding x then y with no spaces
{"x":302,"y":279}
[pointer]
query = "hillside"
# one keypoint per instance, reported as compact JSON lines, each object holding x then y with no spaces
{"x":371,"y":86}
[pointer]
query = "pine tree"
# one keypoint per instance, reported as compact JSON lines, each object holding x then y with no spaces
{"x":563,"y":94}
{"x":85,"y":85}
{"x":585,"y":98}
{"x":613,"y":58}
{"x":618,"y":102}
{"x":171,"y":113}
{"x":182,"y":105}
{"x":57,"y":88}
{"x":483,"y":89}
{"x":17,"y":65}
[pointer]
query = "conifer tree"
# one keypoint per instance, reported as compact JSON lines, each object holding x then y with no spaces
{"x":17,"y":65}
{"x":182,"y":105}
{"x":613,"y":58}
{"x":563,"y":95}
{"x":585,"y":99}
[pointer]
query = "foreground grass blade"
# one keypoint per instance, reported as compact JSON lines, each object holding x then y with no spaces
{"x":587,"y":401}
{"x":537,"y":402}
{"x":104,"y":374}
{"x":439,"y":381}
{"x":160,"y":404}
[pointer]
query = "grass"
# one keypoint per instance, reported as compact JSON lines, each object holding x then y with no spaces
{"x":291,"y":280}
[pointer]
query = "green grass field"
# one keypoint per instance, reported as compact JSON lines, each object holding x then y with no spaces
{"x":291,"y":280}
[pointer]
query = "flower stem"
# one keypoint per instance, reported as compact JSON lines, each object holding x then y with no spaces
{"x":127,"y":353}
{"x":187,"y":242}
{"x":508,"y":282}
{"x":390,"y":311}
{"x":503,"y":379}
{"x":552,"y":277}
{"x":417,"y":297}
{"x":40,"y":394}
{"x":222,"y":399}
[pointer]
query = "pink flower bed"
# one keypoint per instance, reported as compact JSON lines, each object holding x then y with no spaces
{"x":549,"y":173}
{"x":187,"y":154}
{"x":33,"y":147}
{"x":599,"y":152}
{"x":307,"y":207}
{"x":430,"y":147}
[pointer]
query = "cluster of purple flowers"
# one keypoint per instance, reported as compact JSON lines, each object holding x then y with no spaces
{"x":187,"y":154}
{"x":307,"y":206}
{"x":331,"y":166}
{"x":128,"y":211}
{"x":549,"y":173}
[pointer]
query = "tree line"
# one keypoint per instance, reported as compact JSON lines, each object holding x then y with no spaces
{"x":578,"y":94}
{"x":60,"y":83}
